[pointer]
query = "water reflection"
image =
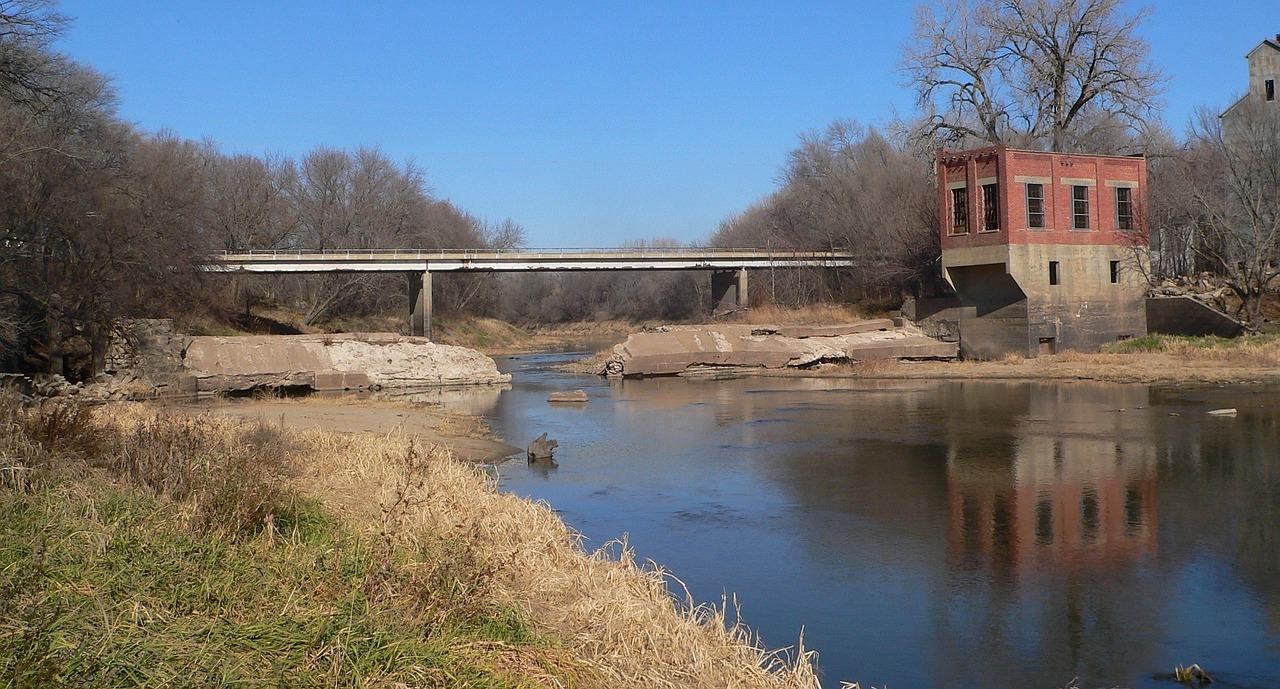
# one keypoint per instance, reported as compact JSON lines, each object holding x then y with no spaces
{"x":477,"y":400}
{"x":1074,"y":485}
{"x":942,"y":533}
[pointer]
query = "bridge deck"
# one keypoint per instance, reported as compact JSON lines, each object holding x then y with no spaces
{"x":409,"y":260}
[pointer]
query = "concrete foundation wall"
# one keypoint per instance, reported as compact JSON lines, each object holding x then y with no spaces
{"x":1085,"y":310}
{"x":999,"y":332}
{"x":1011,"y":308}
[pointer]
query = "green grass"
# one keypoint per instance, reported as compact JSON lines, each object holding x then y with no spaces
{"x":162,"y":559}
{"x":107,"y":588}
{"x":1146,"y":343}
{"x":1172,"y":343}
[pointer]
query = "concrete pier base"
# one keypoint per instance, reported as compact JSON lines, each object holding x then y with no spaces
{"x":420,"y":304}
{"x":728,"y":290}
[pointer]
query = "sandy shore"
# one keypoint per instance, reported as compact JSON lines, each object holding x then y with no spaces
{"x":464,"y":435}
{"x":1152,"y":368}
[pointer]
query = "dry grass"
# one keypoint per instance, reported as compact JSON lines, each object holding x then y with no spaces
{"x":142,"y":548}
{"x":446,"y":550}
{"x":813,"y":314}
{"x":615,"y":615}
{"x":1151,"y":359}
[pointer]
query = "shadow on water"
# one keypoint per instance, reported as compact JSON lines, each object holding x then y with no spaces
{"x":1051,"y":531}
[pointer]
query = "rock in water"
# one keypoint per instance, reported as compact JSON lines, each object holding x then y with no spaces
{"x":575,"y":397}
{"x":542,"y":447}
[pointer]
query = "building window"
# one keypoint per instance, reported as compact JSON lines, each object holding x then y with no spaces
{"x":1271,"y":89}
{"x":990,"y":208}
{"x":959,"y":211}
{"x":1035,"y":206}
{"x":1115,"y":272}
{"x":1055,"y":278}
{"x":1080,"y":207}
{"x":1124,"y":208}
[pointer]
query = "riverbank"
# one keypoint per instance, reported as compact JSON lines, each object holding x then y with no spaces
{"x":146,"y":547}
{"x":1152,"y":359}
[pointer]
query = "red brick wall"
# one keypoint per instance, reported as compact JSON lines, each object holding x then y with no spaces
{"x":1055,"y":171}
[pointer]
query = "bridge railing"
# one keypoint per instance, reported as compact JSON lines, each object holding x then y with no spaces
{"x":668,"y":252}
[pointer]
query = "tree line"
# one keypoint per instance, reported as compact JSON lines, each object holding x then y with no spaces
{"x":100,"y":221}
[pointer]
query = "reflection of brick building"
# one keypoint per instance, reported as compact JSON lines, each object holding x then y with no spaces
{"x":1065,"y":525}
{"x":1064,"y":502}
{"x":1038,"y":249}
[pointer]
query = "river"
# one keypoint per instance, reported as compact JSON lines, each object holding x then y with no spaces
{"x":937,"y":533}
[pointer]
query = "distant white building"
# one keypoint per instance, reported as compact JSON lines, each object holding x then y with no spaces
{"x":1264,"y":81}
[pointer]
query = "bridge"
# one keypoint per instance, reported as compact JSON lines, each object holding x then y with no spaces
{"x":728,"y":278}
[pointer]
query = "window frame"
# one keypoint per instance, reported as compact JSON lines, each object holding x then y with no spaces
{"x":960,"y":210}
{"x":991,"y":207}
{"x":1032,"y":215}
{"x":1124,"y":209}
{"x":1055,"y":273}
{"x":1080,"y":207}
{"x":1115,"y":272}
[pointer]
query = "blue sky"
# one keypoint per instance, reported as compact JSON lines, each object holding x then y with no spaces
{"x":588,"y":123}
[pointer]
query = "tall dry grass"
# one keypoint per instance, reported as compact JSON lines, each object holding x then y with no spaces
{"x":190,"y":532}
{"x":613,"y":613}
{"x":812,"y":314}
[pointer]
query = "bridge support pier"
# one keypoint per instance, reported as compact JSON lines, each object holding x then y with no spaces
{"x":728,"y":290}
{"x":420,"y":303}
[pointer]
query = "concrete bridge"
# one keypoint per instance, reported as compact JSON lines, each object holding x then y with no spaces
{"x":728,"y":266}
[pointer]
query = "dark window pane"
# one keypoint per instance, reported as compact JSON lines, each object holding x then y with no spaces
{"x":990,"y":208}
{"x":959,"y":211}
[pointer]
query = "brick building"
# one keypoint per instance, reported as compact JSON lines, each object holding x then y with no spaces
{"x":1039,"y":250}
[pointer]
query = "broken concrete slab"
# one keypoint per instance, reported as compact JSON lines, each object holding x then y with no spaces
{"x":911,"y":347}
{"x":676,"y":350}
{"x":330,"y":362}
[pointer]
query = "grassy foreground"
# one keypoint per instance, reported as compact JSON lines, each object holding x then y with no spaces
{"x":142,"y":549}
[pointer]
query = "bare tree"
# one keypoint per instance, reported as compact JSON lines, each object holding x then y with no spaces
{"x":1055,"y":73}
{"x":249,"y":206}
{"x":352,"y":200}
{"x":848,"y":188}
{"x":1229,"y":187}
{"x":29,"y":70}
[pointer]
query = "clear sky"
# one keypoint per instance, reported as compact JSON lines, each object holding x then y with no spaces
{"x":588,"y":123}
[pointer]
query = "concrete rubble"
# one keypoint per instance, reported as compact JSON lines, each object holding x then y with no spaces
{"x":675,"y":350}
{"x":330,"y":362}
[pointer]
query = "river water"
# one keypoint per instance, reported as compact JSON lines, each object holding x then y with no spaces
{"x":937,"y":533}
